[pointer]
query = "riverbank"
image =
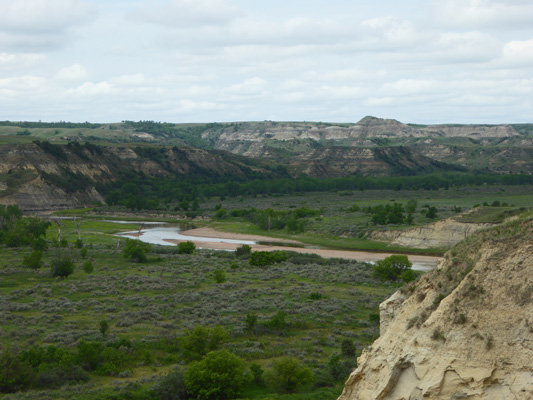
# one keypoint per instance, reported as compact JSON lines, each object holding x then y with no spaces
{"x":420,"y":262}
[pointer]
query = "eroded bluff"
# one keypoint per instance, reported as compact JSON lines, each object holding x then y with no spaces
{"x":463,"y":331}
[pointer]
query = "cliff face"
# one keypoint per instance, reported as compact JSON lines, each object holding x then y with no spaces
{"x":441,"y":234}
{"x":463,"y":331}
{"x":36,"y":177}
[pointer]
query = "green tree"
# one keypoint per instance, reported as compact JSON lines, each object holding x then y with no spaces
{"x":88,"y":267}
{"x":411,"y":206}
{"x":287,"y":374}
{"x":348,"y":348}
{"x":431,"y":213}
{"x":218,"y":376}
{"x":135,"y":250}
{"x":15,"y":375}
{"x":187,"y":247}
{"x":251,"y":322}
{"x":391,"y":268}
{"x":200,"y":340}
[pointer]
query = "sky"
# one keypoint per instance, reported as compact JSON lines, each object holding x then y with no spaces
{"x":417,"y":61}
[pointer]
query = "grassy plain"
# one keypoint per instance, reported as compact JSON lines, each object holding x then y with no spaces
{"x":154,"y":304}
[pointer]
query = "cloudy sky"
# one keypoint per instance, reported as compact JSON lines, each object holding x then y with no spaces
{"x":425,"y":61}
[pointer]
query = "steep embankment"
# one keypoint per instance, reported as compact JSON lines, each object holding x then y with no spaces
{"x":439,"y":235}
{"x":463,"y":331}
{"x":45,"y":176}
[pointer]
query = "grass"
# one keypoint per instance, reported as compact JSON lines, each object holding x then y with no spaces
{"x":163,"y":298}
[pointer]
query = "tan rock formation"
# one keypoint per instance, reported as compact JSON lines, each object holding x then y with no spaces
{"x":463,"y":331}
{"x":441,"y":234}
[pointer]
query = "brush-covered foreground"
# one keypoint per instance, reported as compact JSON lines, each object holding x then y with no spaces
{"x":118,"y":328}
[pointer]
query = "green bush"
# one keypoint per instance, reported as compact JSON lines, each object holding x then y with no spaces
{"x":243,"y":251}
{"x":172,"y":386}
{"x":219,"y":275}
{"x":263,"y":258}
{"x":15,"y":374}
{"x":287,"y":374}
{"x":33,"y":260}
{"x":391,"y":268}
{"x":88,"y":267}
{"x":187,"y":247}
{"x":218,"y":376}
{"x":200,"y":340}
{"x":62,"y":267}
{"x":40,"y":244}
{"x":135,"y":250}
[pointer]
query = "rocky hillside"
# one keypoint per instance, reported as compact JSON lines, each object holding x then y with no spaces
{"x":44,"y":176}
{"x":463,"y":331}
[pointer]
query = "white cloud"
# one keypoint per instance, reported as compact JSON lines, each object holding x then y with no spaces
{"x":41,"y":25}
{"x":75,"y":72}
{"x":519,"y":52}
{"x":485,"y":13}
{"x":179,"y":14}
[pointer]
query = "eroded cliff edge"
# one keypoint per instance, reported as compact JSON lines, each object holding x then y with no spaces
{"x":463,"y":331}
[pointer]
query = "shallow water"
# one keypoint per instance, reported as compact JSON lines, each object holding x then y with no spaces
{"x":161,"y":235}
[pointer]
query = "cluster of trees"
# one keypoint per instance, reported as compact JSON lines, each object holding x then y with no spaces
{"x":389,"y":214}
{"x":17,"y":231}
{"x":394,"y":268}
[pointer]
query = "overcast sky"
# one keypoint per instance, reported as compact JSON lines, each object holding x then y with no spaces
{"x":425,"y":61}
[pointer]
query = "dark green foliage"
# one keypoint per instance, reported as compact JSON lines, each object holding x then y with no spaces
{"x":15,"y":374}
{"x":218,"y":376}
{"x":39,"y":244}
{"x":88,"y":267}
{"x":251,"y":322}
{"x":257,"y":373}
{"x":316,"y":296}
{"x":221,"y":214}
{"x":348,"y":348}
{"x":135,"y":250}
{"x":243,"y":251}
{"x":78,"y":243}
{"x":339,"y":368}
{"x":62,"y":267}
{"x":84,"y":252}
{"x":16,"y":231}
{"x":219,"y":276}
{"x":387,"y":214}
{"x":287,"y":374}
{"x":263,"y":258}
{"x":278,"y":323}
{"x":408,"y":275}
{"x":33,"y":260}
{"x":172,"y":386}
{"x":431,"y":213}
{"x":391,"y":268}
{"x":411,"y":206}
{"x":104,"y":327}
{"x":187,"y":247}
{"x":199,"y":341}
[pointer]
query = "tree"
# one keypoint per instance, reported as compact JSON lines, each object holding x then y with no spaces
{"x":251,"y":322}
{"x":135,"y":250}
{"x":431,"y":213}
{"x":348,"y":348}
{"x":187,"y":247}
{"x":14,"y":374}
{"x":218,"y":376}
{"x":199,"y":341}
{"x":391,"y":268}
{"x":243,"y":251}
{"x":287,"y":374}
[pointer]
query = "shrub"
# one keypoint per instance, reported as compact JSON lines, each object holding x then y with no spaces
{"x":408,"y":275}
{"x":104,"y":327}
{"x":62,"y":267}
{"x":243,"y":251}
{"x":200,"y":340}
{"x":263,"y":258}
{"x":14,"y":374}
{"x":287,"y":374}
{"x":33,"y":260}
{"x":218,"y":376}
{"x":187,"y":247}
{"x":78,"y":243}
{"x":171,"y":386}
{"x":257,"y":373}
{"x":135,"y":250}
{"x":391,"y":268}
{"x":219,"y":275}
{"x":84,"y":252}
{"x":88,"y":267}
{"x":39,"y":244}
{"x":348,"y":348}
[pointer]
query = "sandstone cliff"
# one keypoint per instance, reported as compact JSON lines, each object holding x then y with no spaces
{"x":463,"y":331}
{"x":441,"y":234}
